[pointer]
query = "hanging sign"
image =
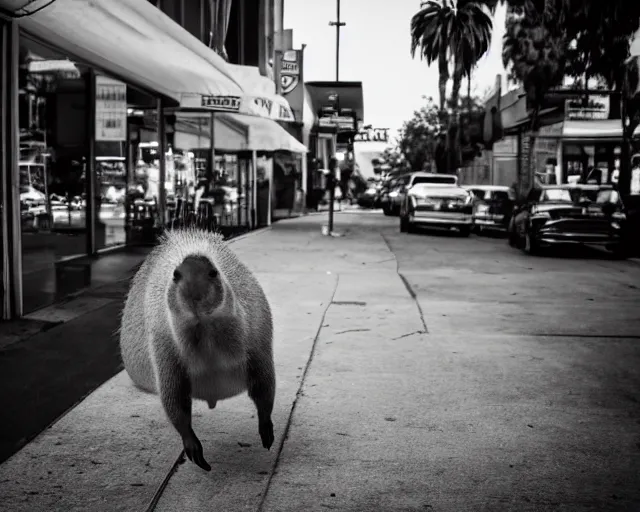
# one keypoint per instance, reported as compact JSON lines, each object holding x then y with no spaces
{"x":111,"y":109}
{"x":372,"y":135}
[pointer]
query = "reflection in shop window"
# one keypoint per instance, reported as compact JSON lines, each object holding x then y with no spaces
{"x":52,"y":167}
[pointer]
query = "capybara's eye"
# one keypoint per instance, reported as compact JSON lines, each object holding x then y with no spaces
{"x":176,"y":275}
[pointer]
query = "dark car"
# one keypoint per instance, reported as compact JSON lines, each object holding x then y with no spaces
{"x":569,"y":214}
{"x":492,"y":207}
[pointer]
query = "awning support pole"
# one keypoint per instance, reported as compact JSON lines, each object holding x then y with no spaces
{"x":91,"y":210}
{"x":270,"y":178}
{"x":212,"y":146}
{"x":254,"y":188}
{"x":11,"y":243}
{"x":162,"y":174}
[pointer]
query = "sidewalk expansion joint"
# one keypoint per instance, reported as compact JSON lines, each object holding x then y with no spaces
{"x":161,"y":488}
{"x":299,"y":393}
{"x":407,"y":286}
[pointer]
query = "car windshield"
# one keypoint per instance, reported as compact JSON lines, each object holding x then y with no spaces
{"x":478,"y":193}
{"x":556,"y":195}
{"x":500,"y":195}
{"x":446,"y":180}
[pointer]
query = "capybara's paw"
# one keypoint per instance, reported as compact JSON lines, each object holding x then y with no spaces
{"x":193,"y":451}
{"x":266,"y":433}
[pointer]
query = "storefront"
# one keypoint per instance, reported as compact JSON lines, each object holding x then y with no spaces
{"x":90,"y":148}
{"x":339,"y":107}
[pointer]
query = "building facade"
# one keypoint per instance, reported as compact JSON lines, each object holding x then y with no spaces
{"x":106,"y":134}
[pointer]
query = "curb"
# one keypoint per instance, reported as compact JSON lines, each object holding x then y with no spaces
{"x":258,"y":231}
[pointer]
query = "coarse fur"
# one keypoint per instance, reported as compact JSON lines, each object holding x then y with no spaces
{"x":197,"y":324}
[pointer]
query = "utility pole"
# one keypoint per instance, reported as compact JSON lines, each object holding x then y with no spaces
{"x":333,"y":163}
{"x":337,"y":24}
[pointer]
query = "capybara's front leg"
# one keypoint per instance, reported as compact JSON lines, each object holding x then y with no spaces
{"x":261,"y":387}
{"x":175,"y":394}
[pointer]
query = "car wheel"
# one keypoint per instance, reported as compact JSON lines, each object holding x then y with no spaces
{"x":464,"y":231}
{"x":404,"y":224}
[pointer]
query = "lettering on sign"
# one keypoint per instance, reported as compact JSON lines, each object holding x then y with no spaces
{"x":264,"y":104}
{"x":285,"y":113}
{"x":289,"y":71}
{"x":343,"y":123}
{"x":372,"y":135}
{"x":224,"y":103}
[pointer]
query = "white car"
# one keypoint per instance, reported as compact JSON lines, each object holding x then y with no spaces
{"x":428,"y":204}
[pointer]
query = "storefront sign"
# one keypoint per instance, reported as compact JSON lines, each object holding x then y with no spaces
{"x":342,"y":123}
{"x":222,"y":103}
{"x":597,"y":107}
{"x":111,"y":109}
{"x":289,"y":76}
{"x":273,"y":107}
{"x":372,"y":135}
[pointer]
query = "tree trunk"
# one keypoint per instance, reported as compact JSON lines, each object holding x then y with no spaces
{"x":528,"y":170}
{"x":443,"y":72}
{"x":453,"y":141}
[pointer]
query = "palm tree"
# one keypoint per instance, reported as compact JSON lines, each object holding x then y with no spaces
{"x":457,"y":32}
{"x":534,"y":45}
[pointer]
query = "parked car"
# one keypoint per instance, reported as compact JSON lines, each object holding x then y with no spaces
{"x":492,"y":207}
{"x":429,"y":204}
{"x":369,"y":198}
{"x":390,"y":193}
{"x":398,"y":195}
{"x":569,"y":214}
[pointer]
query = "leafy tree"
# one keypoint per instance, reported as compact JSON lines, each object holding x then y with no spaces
{"x":534,"y":46}
{"x":419,"y":136}
{"x":457,"y":32}
{"x":599,"y":33}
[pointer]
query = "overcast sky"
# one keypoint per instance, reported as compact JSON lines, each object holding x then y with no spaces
{"x":375,"y":49}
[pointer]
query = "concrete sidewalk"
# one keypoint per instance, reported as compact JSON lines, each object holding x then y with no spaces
{"x":114,"y":450}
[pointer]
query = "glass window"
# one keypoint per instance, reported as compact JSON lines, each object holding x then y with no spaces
{"x":52,"y":168}
{"x":556,"y":194}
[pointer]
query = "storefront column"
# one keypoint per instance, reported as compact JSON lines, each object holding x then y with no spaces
{"x":90,"y":164}
{"x":10,"y":186}
{"x":269,"y":202}
{"x":162,"y":171}
{"x":254,"y":188}
{"x":212,"y":145}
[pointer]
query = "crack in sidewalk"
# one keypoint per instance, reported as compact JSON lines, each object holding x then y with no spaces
{"x":407,"y":285}
{"x":299,"y":393}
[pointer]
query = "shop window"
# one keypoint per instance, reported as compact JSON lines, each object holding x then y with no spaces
{"x":209,"y":195}
{"x":52,"y":167}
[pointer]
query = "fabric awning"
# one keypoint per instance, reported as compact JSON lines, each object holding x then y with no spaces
{"x":233,"y":133}
{"x":262,"y":135}
{"x":258,"y":99}
{"x":133,"y":41}
{"x":136,"y":42}
{"x":594,"y":129}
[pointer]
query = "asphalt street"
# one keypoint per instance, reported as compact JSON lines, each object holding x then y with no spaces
{"x":415,"y":372}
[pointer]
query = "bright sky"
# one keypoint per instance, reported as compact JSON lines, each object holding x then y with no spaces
{"x":375,"y":49}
